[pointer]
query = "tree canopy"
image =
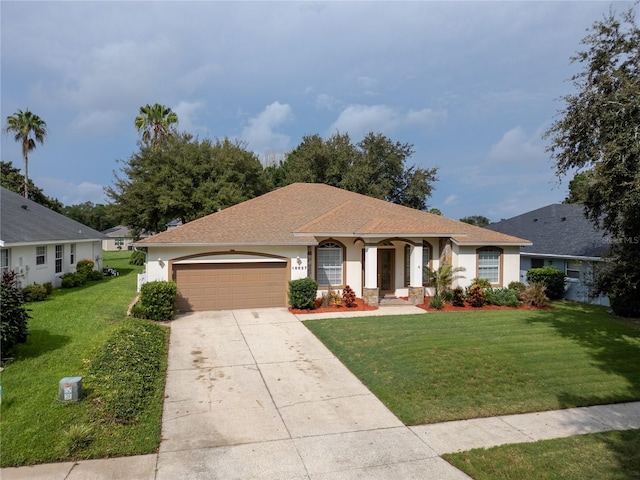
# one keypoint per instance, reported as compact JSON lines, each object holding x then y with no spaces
{"x":183,"y":178}
{"x":97,"y":216}
{"x":27,"y":129}
{"x":599,"y":130}
{"x":12,"y":179}
{"x":477,"y":220}
{"x":375,"y":166}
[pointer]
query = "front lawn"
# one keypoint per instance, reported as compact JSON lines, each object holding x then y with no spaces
{"x":610,"y":456}
{"x":84,"y":332}
{"x":449,"y":366}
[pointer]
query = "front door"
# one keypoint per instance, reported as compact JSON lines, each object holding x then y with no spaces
{"x":385,"y":271}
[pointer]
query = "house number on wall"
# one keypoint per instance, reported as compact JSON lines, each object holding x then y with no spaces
{"x":299,"y":267}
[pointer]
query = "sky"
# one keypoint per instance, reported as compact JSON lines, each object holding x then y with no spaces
{"x":471,"y":85}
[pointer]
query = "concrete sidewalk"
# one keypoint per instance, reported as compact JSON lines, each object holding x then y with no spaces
{"x":253,"y":394}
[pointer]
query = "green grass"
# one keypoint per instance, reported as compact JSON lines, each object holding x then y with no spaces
{"x":601,"y":456}
{"x":67,"y":332}
{"x":448,"y":366}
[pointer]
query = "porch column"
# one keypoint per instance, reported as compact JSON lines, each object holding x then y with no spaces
{"x":370,"y":290}
{"x":416,"y":290}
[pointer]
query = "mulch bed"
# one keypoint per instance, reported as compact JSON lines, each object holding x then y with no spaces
{"x":468,"y":308}
{"x":360,"y":306}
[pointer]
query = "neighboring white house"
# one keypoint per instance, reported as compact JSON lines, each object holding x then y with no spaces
{"x":244,"y":256}
{"x":563,"y":238}
{"x":41,"y":245}
{"x":118,"y":238}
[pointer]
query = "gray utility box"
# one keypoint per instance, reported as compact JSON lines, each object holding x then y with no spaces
{"x":70,"y":389}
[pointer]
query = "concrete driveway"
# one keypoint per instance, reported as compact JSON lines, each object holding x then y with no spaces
{"x":253,"y":394}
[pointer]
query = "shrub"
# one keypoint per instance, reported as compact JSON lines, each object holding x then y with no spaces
{"x":13,"y":314}
{"x":535,"y":295}
{"x":476,"y":296}
{"x":481,"y":282}
{"x":447,"y":296}
{"x":157,"y":301}
{"x":303,"y":293}
{"x":336,"y":299}
{"x":442,"y":278}
{"x":34,"y":293}
{"x":502,"y":296}
{"x":348,"y":296}
{"x":519,"y":287}
{"x":94,"y":275}
{"x":48,"y":286}
{"x":436,"y":302}
{"x":127,"y":370}
{"x":84,"y":267}
{"x":137,"y":258}
{"x":551,"y":277}
{"x":73,"y":279}
{"x":458,"y":297}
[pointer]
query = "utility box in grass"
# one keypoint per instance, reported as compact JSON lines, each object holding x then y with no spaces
{"x":70,"y":389}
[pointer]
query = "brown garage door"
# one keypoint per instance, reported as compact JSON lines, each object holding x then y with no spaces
{"x":223,"y":286}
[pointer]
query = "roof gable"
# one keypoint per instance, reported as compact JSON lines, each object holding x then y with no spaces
{"x":25,"y":221}
{"x":557,"y":229}
{"x":299,"y":212}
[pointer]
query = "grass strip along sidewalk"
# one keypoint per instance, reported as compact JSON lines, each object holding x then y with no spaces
{"x":84,"y":332}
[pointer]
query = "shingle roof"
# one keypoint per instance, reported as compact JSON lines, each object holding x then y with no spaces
{"x":117,"y":232}
{"x":299,"y":212}
{"x":25,"y":221}
{"x":558,"y":229}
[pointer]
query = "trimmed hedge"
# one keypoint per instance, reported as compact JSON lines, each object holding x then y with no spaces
{"x":550,"y":277}
{"x":157,"y":301}
{"x":303,"y":293}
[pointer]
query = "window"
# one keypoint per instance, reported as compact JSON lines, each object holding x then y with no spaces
{"x":489,"y":265}
{"x":573,"y":269}
{"x":41,"y":255}
{"x":330,"y":257}
{"x":119,"y":242}
{"x":59,"y":251}
{"x":426,"y":263}
{"x":4,"y":260}
{"x":72,"y":254}
{"x":537,"y":262}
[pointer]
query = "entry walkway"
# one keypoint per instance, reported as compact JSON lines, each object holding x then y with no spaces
{"x":253,"y":394}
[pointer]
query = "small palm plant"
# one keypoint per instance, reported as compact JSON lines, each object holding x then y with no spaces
{"x":442,"y":278}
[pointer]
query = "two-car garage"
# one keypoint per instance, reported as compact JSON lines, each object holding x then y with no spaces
{"x":224,"y":286}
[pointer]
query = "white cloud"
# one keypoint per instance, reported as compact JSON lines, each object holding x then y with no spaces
{"x":451,"y":200}
{"x":517,"y":148}
{"x":327,"y":102}
{"x":358,"y":120}
{"x":71,"y":193}
{"x":97,"y":122}
{"x":261,"y":134}
{"x":187,"y":114}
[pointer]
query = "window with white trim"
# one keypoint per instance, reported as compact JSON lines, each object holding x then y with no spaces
{"x":58,"y":262}
{"x":5,"y":260}
{"x":426,"y":263}
{"x":41,"y":255}
{"x":489,"y":264}
{"x":72,"y":254}
{"x":573,"y":269}
{"x":330,"y":258}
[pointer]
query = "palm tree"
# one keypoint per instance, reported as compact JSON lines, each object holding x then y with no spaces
{"x":155,"y":121}
{"x":443,"y":277}
{"x":28,"y":129}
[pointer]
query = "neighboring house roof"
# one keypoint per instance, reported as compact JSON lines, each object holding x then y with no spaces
{"x":117,"y":232}
{"x":299,"y":212}
{"x":559,"y":229}
{"x":24,"y":221}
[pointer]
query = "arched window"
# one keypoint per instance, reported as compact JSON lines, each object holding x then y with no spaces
{"x":330,"y":259}
{"x":489,"y":262}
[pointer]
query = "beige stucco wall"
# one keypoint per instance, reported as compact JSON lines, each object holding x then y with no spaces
{"x":465,"y":256}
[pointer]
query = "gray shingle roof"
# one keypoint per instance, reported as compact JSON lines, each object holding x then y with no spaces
{"x":25,"y":221}
{"x":558,"y":229}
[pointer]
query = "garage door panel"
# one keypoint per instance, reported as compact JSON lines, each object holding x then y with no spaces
{"x":227,"y":286}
